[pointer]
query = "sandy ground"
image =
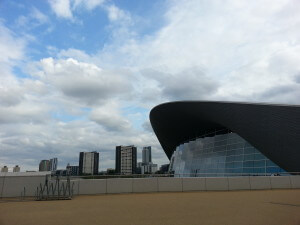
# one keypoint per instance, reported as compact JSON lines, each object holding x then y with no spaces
{"x":270,"y":207}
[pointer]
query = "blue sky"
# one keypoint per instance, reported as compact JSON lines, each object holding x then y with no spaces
{"x":83,"y":75}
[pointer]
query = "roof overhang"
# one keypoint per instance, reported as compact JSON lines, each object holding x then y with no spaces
{"x":272,"y":129}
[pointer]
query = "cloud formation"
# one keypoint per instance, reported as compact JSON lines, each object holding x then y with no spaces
{"x":74,"y":99}
{"x":83,"y":81}
{"x":62,"y":8}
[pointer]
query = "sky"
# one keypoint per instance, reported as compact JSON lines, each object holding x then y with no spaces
{"x":83,"y":75}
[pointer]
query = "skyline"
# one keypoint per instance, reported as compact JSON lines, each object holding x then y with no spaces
{"x":63,"y":167}
{"x":83,"y":75}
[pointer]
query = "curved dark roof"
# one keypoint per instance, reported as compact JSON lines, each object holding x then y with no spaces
{"x":272,"y":129}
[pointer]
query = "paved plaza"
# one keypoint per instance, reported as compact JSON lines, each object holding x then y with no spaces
{"x":272,"y":207}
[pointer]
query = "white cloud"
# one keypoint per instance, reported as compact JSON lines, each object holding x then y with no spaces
{"x":32,"y":20}
{"x":11,"y":47}
{"x":61,"y":8}
{"x":115,"y":14}
{"x":213,"y":50}
{"x":66,"y":8}
{"x":110,"y":118}
{"x":88,"y":4}
{"x":39,"y":16}
{"x":67,"y":105}
{"x":83,"y":81}
{"x":25,"y":112}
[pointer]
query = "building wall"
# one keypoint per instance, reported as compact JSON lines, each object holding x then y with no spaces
{"x":12,"y":186}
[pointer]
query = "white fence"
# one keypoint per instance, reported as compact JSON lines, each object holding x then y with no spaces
{"x":13,"y":186}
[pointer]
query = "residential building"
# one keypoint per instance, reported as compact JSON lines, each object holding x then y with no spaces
{"x":126,"y":159}
{"x":146,"y":155}
{"x":88,"y":163}
{"x":146,"y":166}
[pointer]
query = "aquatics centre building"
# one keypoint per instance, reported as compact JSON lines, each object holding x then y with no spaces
{"x":206,"y":138}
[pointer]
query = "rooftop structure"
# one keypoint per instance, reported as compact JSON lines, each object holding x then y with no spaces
{"x":254,"y":135}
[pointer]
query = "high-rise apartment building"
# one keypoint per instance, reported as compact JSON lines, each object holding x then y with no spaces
{"x":16,"y":169}
{"x":53,"y":164}
{"x":147,"y":166}
{"x":44,"y":165}
{"x":126,"y":159}
{"x":88,"y":163}
{"x":146,"y":157}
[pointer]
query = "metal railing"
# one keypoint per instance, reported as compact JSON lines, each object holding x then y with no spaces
{"x":55,"y":189}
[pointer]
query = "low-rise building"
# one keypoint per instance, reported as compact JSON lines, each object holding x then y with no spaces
{"x":72,"y":170}
{"x":4,"y":169}
{"x":16,"y":169}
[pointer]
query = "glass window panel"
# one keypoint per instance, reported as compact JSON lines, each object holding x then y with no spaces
{"x":270,"y":163}
{"x":230,"y":165}
{"x":238,"y":158}
{"x":229,"y":147}
{"x":239,"y":151}
{"x":232,"y":152}
{"x":247,"y":170}
{"x":221,"y":165}
{"x":272,"y":170}
{"x":259,"y":170}
{"x":248,"y":150}
{"x":248,"y":157}
{"x":221,"y":143}
{"x":260,"y":163}
{"x":259,"y":156}
{"x":240,"y":145}
{"x":248,"y":164}
{"x":238,"y":164}
{"x":247,"y":144}
{"x":230,"y":158}
{"x":235,"y":171}
{"x":220,"y":148}
{"x":222,"y":159}
{"x":209,"y":154}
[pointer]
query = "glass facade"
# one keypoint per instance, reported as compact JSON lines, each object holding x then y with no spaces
{"x":222,"y":154}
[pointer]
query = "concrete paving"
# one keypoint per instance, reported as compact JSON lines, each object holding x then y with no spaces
{"x":209,"y":208}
